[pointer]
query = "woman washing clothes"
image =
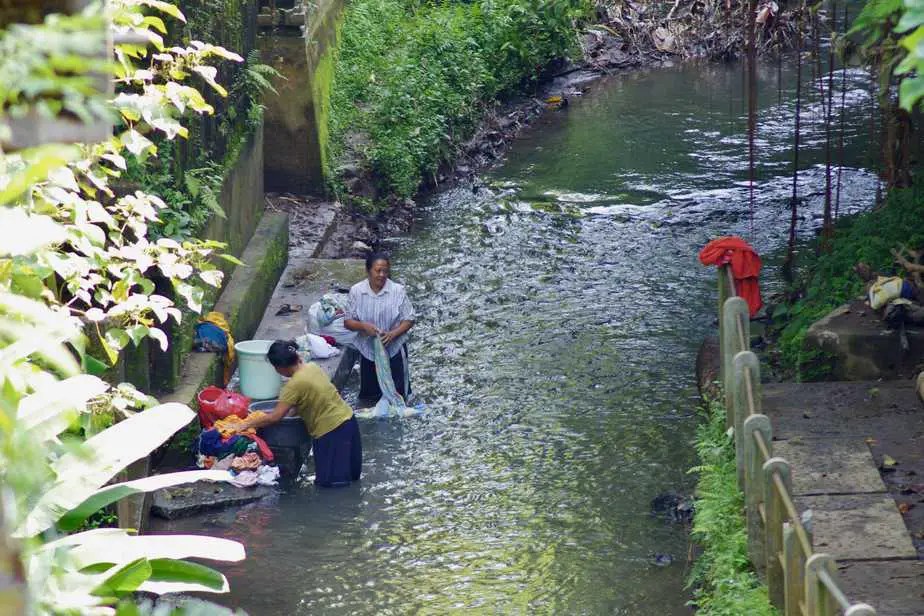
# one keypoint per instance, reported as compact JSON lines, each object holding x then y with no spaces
{"x":378,"y":306}
{"x":337,"y":448}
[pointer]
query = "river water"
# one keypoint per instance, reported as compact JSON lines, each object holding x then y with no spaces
{"x":560,"y":311}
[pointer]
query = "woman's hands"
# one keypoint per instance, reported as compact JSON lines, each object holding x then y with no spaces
{"x":369,"y":329}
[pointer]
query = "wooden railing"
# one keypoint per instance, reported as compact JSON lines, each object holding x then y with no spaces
{"x":801,"y":582}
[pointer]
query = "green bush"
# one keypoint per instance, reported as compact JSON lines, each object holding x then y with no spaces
{"x":412,"y":78}
{"x":725,"y":583}
{"x":829,"y":280}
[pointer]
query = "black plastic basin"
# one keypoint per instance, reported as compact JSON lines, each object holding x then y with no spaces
{"x":290,"y":432}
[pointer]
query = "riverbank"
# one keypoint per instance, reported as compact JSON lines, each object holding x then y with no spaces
{"x":827,"y":279}
{"x":725,"y":583}
{"x":483,"y":82}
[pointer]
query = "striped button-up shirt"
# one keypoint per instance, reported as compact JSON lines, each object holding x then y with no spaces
{"x":385,"y":309}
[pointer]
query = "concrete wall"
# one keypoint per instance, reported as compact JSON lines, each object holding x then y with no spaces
{"x":295,"y":150}
{"x":242,"y":200}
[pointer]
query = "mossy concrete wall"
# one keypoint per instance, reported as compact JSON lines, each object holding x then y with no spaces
{"x":243,"y":203}
{"x":243,"y":301}
{"x":296,"y":147}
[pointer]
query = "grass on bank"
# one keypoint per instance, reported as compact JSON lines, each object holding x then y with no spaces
{"x":412,"y":78}
{"x":724,"y":581}
{"x":828,"y":279}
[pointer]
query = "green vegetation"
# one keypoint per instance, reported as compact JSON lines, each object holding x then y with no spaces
{"x":77,"y":258}
{"x":895,"y":35}
{"x":412,"y":77}
{"x":829,"y":280}
{"x":725,"y":583}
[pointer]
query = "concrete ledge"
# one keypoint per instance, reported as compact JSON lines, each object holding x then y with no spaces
{"x":842,"y":409}
{"x":242,"y":302}
{"x":858,"y":527}
{"x":863,"y":346}
{"x":892,"y":587}
{"x":180,"y":502}
{"x":823,"y":466}
{"x":304,"y":281}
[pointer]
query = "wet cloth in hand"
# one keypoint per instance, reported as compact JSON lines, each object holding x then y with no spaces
{"x":391,"y":404}
{"x":745,"y":265}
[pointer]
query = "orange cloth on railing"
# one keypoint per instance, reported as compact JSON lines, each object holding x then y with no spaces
{"x":745,"y":265}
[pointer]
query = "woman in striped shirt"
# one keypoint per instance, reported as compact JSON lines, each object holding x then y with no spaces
{"x":380,"y":307}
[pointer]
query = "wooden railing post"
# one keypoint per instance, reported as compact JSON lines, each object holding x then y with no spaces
{"x":753,"y":485}
{"x":744,"y":361}
{"x":794,"y":569}
{"x":776,"y":512}
{"x":733,"y":309}
{"x":818,"y":602}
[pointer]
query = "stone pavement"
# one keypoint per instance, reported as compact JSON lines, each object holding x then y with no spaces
{"x":857,"y":454}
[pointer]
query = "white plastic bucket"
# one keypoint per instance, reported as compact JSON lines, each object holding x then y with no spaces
{"x":259,"y":380}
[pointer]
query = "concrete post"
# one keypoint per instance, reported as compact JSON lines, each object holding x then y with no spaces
{"x":753,"y":486}
{"x":723,"y":296}
{"x":734,"y":307}
{"x":743,"y":361}
{"x":773,"y":531}
{"x":794,"y":570}
{"x":817,"y":600}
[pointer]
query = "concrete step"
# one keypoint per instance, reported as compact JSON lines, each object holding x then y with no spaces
{"x":842,"y":409}
{"x":894,"y":588}
{"x":830,"y":466}
{"x":858,"y":527}
{"x":183,"y":501}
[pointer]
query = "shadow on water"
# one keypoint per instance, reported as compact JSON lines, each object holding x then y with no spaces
{"x":560,"y":313}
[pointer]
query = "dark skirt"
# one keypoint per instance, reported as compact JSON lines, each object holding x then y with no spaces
{"x":338,"y":456}
{"x":369,"y":390}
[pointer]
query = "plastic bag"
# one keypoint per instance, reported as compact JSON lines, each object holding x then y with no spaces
{"x":318,"y":346}
{"x":884,"y":290}
{"x":216,"y":403}
{"x":320,"y":324}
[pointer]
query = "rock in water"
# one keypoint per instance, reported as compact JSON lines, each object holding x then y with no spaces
{"x":662,"y":560}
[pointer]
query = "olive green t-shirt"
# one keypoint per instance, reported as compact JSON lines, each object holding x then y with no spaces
{"x":316,"y":399}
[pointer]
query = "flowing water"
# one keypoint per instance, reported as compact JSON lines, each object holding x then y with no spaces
{"x":560,"y":311}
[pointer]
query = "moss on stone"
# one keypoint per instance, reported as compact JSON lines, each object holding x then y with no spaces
{"x":321,"y":82}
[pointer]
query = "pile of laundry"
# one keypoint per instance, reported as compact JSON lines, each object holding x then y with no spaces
{"x":223,"y":446}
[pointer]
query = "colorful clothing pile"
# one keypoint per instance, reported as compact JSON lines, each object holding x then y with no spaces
{"x":226,"y":447}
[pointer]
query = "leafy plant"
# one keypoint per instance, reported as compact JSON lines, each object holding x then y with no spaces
{"x":75,"y":266}
{"x":894,"y":31}
{"x":412,"y":79}
{"x":724,"y":581}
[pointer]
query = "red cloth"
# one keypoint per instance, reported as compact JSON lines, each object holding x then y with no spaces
{"x":263,"y":448}
{"x":745,"y":265}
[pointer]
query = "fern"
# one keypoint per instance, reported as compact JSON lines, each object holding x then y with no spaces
{"x":256,"y":78}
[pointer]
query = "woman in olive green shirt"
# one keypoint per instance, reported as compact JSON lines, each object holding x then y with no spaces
{"x":335,"y":441}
